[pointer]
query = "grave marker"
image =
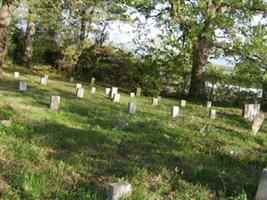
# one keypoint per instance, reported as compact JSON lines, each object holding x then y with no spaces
{"x":80,"y":92}
{"x":16,"y":74}
{"x":132,"y":94}
{"x":212,"y":114}
{"x":132,"y":108}
{"x":43,"y":81}
{"x":258,"y":121}
{"x":250,"y":111}
{"x":155,"y":101}
{"x":78,"y":85}
{"x":108,"y":91}
{"x":262,"y":191}
{"x":93,"y":90}
{"x":175,"y":111}
{"x":54,"y":102}
{"x":113,"y":91}
{"x":92,"y":81}
{"x":138,"y":92}
{"x":118,"y":191}
{"x":117,"y":98}
{"x":209,"y":104}
{"x":183,"y":103}
{"x":71,"y":79}
{"x":22,"y":86}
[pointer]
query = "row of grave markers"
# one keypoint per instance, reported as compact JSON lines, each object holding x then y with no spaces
{"x":119,"y":190}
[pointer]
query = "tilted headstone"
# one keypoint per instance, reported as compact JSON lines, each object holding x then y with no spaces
{"x":138,"y":92}
{"x":117,"y":98}
{"x":209,"y":104}
{"x":175,"y":111}
{"x":43,"y":81}
{"x":78,"y":85}
{"x":132,"y":108}
{"x":258,"y":121}
{"x":22,"y":86}
{"x":54,"y":102}
{"x":71,"y":79}
{"x":116,"y":191}
{"x":183,"y":103}
{"x":250,"y":111}
{"x":108,"y":91}
{"x":16,"y":74}
{"x":132,"y":94}
{"x":113,"y":91}
{"x":93,"y":90}
{"x":212,"y":114}
{"x":80,"y":92}
{"x":92,"y":81}
{"x":155,"y":101}
{"x":262,"y":187}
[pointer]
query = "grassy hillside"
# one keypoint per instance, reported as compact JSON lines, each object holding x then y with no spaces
{"x":75,"y":152}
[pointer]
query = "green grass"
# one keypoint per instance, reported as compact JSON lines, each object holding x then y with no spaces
{"x":73,"y":153}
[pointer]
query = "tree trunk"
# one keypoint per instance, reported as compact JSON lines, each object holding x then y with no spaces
{"x":28,"y":51}
{"x":5,"y":18}
{"x":201,"y":52}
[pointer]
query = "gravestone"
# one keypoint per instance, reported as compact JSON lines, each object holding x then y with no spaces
{"x":93,"y":90}
{"x":113,"y":91}
{"x":46,"y":77}
{"x":155,"y":101}
{"x":132,"y":94}
{"x":80,"y":92}
{"x":108,"y":91}
{"x":250,"y":111}
{"x":258,"y":121}
{"x":78,"y":85}
{"x":71,"y":79}
{"x":209,"y":104}
{"x":175,"y":111}
{"x":138,"y":92}
{"x":117,"y":98}
{"x":16,"y":74}
{"x":116,"y":191}
{"x":6,"y":123}
{"x":132,"y":108}
{"x":159,"y":98}
{"x":22,"y":86}
{"x":43,"y":81}
{"x":262,"y":187}
{"x":183,"y":103}
{"x":212,"y":114}
{"x":92,"y":81}
{"x":54,"y":102}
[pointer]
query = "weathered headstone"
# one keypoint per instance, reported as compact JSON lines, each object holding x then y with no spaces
{"x":117,"y":98}
{"x":250,"y":111}
{"x":175,"y":111}
{"x":132,"y":107}
{"x":262,"y":187}
{"x":116,"y":191}
{"x":93,"y":90}
{"x":159,"y":98}
{"x":108,"y":91}
{"x":92,"y":81}
{"x":80,"y":92}
{"x":16,"y":74}
{"x":258,"y":121}
{"x":71,"y":79}
{"x":138,"y":92}
{"x":212,"y":114}
{"x":22,"y":86}
{"x":183,"y":103}
{"x":54,"y":102}
{"x":46,"y":77}
{"x":6,"y":123}
{"x":155,"y":101}
{"x":209,"y":104}
{"x":132,"y":94}
{"x":43,"y":81}
{"x":78,"y":85}
{"x":113,"y":91}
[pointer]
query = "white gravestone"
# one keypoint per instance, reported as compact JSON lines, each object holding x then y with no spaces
{"x":80,"y":92}
{"x":22,"y":86}
{"x":183,"y":103}
{"x":54,"y":102}
{"x":175,"y":111}
{"x":46,"y":77}
{"x":212,"y":114}
{"x":118,"y":191}
{"x":132,"y":94}
{"x":250,"y":111}
{"x":132,"y":108}
{"x":138,"y":92}
{"x":117,"y":98}
{"x":209,"y":104}
{"x":258,"y":121}
{"x":92,"y":81}
{"x":155,"y":101}
{"x":159,"y":98}
{"x":78,"y":85}
{"x":43,"y":81}
{"x":93,"y":90}
{"x":262,"y":187}
{"x":16,"y":74}
{"x":71,"y":79}
{"x":113,"y":91}
{"x":108,"y":91}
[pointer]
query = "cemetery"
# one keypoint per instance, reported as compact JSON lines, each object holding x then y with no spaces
{"x":133,"y":100}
